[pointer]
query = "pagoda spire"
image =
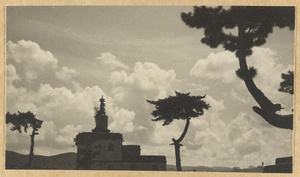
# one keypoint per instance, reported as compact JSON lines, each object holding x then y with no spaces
{"x":102,"y":105}
{"x":101,"y":118}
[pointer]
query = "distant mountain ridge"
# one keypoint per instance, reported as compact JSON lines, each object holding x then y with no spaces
{"x":258,"y":169}
{"x":67,"y":161}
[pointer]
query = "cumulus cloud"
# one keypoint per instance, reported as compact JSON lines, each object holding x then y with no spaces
{"x":146,"y":76}
{"x":112,"y":61}
{"x":250,"y":143}
{"x":20,"y":142}
{"x":149,"y":76}
{"x":61,"y":109}
{"x":236,"y":96}
{"x":130,"y":91}
{"x":11,"y":74}
{"x":47,"y":130}
{"x":14,"y":139}
{"x":197,"y":87}
{"x":119,"y":93}
{"x":245,"y":137}
{"x":17,"y":99}
{"x":214,"y":138}
{"x":30,"y":57}
{"x":221,"y":66}
{"x":203,"y":130}
{"x":268,"y":70}
{"x":164,"y":134}
{"x":68,"y":133}
{"x":65,"y":106}
{"x":65,"y":112}
{"x":65,"y":74}
{"x":122,"y":121}
{"x":216,"y":105}
{"x":120,"y":77}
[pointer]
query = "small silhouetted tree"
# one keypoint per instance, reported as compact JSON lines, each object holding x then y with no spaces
{"x":182,"y":106}
{"x":24,"y":121}
{"x":253,"y":24}
{"x":287,"y":85}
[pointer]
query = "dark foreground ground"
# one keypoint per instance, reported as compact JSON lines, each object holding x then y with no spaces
{"x":67,"y":161}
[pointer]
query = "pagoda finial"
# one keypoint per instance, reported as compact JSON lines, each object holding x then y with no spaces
{"x":102,"y":105}
{"x":101,"y":118}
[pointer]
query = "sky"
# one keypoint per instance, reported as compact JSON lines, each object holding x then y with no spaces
{"x":61,"y":60}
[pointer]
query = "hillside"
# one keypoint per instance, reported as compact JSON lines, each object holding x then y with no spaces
{"x":66,"y":161}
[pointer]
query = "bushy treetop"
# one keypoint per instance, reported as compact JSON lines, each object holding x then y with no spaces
{"x":181,"y":106}
{"x":256,"y":22}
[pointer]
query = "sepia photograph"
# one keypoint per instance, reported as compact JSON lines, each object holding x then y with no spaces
{"x":150,"y":88}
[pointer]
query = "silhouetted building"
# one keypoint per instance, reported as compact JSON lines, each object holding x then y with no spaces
{"x":102,"y":150}
{"x":282,"y":165}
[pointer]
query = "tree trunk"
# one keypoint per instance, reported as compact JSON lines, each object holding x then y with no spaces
{"x":177,"y":154}
{"x":267,"y":108}
{"x":31,"y":149}
{"x":177,"y":145}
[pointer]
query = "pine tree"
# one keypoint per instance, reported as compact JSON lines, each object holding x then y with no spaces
{"x":254,"y":24}
{"x":25,"y":120}
{"x":182,"y":106}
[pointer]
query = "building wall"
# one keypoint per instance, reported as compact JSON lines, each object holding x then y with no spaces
{"x":84,"y":157}
{"x":93,"y":147}
{"x":285,"y":168}
{"x":282,"y":165}
{"x":98,"y":151}
{"x":107,"y":150}
{"x":101,"y":150}
{"x":130,"y":151}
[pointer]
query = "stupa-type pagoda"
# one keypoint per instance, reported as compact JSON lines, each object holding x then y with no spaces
{"x":102,"y":150}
